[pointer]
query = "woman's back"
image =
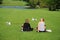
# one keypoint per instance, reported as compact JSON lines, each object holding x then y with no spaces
{"x":41,"y":26}
{"x":26,"y":25}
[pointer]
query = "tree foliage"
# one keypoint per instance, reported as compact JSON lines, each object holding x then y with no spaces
{"x":51,"y":4}
{"x":1,"y":1}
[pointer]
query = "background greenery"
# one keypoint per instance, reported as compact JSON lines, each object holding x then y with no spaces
{"x":53,"y":5}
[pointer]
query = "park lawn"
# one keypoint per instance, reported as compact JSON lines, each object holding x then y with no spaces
{"x":13,"y":3}
{"x":17,"y":17}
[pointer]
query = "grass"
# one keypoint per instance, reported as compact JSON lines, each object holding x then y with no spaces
{"x":17,"y":18}
{"x":13,"y":3}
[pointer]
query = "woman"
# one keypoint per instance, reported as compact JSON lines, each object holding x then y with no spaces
{"x":41,"y":26}
{"x":26,"y":26}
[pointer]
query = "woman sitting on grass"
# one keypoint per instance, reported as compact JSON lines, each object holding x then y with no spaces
{"x":41,"y":26}
{"x":26,"y":26}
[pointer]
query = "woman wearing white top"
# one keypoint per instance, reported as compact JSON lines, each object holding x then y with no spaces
{"x":41,"y":26}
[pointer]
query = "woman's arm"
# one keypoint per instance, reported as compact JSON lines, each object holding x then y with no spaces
{"x":29,"y":25}
{"x":38,"y":26}
{"x":45,"y":26}
{"x":22,"y":25}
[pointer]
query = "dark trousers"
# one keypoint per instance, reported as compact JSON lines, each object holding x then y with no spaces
{"x":43,"y":31}
{"x":27,"y":29}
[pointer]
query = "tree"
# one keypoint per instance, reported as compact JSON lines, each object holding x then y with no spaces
{"x":26,"y":0}
{"x":53,"y":4}
{"x":34,"y":3}
{"x":1,"y":1}
{"x":58,"y":4}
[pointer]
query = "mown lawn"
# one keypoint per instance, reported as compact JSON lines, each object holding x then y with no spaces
{"x":17,"y":17}
{"x":13,"y":3}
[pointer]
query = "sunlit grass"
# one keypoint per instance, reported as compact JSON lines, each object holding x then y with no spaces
{"x":17,"y":18}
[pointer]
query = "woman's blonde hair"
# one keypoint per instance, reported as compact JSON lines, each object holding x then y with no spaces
{"x":42,"y":19}
{"x":27,"y":21}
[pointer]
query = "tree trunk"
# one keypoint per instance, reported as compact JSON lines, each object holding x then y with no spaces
{"x":52,"y":8}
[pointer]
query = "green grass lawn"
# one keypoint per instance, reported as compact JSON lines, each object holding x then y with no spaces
{"x":17,"y":17}
{"x":13,"y":3}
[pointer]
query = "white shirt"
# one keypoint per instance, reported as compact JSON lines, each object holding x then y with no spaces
{"x":41,"y":26}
